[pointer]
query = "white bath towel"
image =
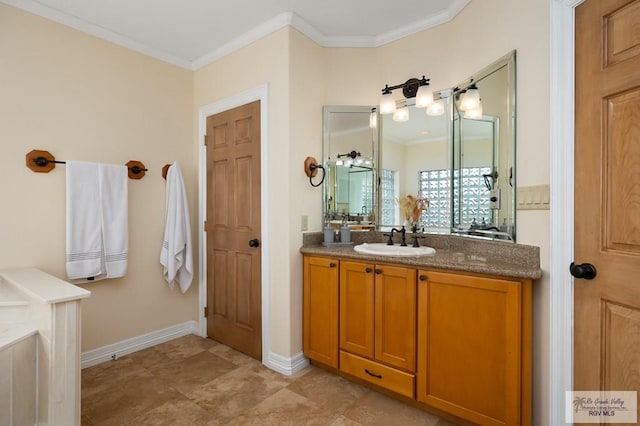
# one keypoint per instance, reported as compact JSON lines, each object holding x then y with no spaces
{"x":97,"y":224}
{"x":176,"y":255}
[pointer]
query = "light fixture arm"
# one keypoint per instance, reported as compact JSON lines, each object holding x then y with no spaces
{"x":353,"y":155}
{"x":409,"y":87}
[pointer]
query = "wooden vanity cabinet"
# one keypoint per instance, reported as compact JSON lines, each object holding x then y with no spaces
{"x":473,"y":347}
{"x":378,"y":324}
{"x":320,"y":310}
{"x":456,"y":342}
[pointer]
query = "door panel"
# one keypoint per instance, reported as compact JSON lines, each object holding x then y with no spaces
{"x":356,"y":308}
{"x":395,"y":316}
{"x":607,"y":195}
{"x":233,"y":217}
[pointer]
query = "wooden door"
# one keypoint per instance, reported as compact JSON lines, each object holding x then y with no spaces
{"x":320,"y":310}
{"x":356,"y":308}
{"x":607,"y":195}
{"x":395,"y":316}
{"x":470,"y":342}
{"x":233,"y":229}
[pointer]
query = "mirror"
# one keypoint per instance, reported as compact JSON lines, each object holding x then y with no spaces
{"x":483,"y":196}
{"x":415,"y":160}
{"x":457,"y":162}
{"x":350,"y":144}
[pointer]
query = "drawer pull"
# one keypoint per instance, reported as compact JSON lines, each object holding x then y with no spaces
{"x":378,"y":271}
{"x":423,"y":277}
{"x":368,"y":270}
{"x":377,"y":376}
{"x":332,"y":265}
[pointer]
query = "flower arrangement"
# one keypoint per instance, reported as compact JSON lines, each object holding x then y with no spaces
{"x":412,"y":207}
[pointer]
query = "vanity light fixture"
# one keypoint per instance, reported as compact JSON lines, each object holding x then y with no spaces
{"x":412,"y":88}
{"x":470,"y":98}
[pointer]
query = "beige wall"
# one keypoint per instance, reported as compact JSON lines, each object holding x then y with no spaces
{"x":82,"y":98}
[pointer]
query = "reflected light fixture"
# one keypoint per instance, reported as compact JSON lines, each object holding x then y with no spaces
{"x":475,"y":113}
{"x":353,"y":158}
{"x":401,"y":114}
{"x":412,"y":88}
{"x":373,"y":119}
{"x":436,"y":108}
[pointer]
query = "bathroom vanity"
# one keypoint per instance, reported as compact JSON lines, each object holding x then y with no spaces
{"x":450,"y":331}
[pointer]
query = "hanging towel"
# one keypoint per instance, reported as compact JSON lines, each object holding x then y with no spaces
{"x":176,"y":255}
{"x":97,"y":225}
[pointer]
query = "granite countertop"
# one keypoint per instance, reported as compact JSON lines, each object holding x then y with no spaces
{"x":452,"y":253}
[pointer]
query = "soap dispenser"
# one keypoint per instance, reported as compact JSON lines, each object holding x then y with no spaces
{"x":345,"y":232}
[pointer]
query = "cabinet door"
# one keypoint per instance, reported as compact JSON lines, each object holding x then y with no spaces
{"x":320,"y":310}
{"x":395,"y":316}
{"x":469,"y":346}
{"x":356,"y":308}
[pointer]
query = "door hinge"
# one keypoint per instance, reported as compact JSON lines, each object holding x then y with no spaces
{"x":206,"y":228}
{"x":206,"y":311}
{"x":206,"y":140}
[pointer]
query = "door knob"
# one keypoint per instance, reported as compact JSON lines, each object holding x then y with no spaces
{"x":586,"y":271}
{"x":254,"y":243}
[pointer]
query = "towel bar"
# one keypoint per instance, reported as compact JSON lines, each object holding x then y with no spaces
{"x":43,"y":162}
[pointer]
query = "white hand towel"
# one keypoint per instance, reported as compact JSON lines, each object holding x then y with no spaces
{"x":84,"y":221}
{"x":115,"y":224}
{"x":176,"y":255}
{"x":97,"y":229}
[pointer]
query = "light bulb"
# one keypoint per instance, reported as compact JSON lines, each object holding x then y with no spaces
{"x":373,"y":119}
{"x":387,"y":104}
{"x":401,"y":114}
{"x":475,"y":113}
{"x":339,"y":162}
{"x":470,"y":99}
{"x":436,"y":108}
{"x":424,"y":97}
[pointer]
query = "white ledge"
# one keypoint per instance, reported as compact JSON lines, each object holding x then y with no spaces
{"x":42,"y":286}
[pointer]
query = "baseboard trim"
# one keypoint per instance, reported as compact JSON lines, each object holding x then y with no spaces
{"x":286,"y":365}
{"x":134,"y":344}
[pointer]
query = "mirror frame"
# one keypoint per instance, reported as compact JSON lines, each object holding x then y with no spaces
{"x":327,"y":110}
{"x":507,"y":137}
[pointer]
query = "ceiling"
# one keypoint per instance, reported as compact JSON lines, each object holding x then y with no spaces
{"x":193,"y":33}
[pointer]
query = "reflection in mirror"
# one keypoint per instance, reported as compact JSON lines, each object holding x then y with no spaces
{"x":349,"y":157}
{"x":415,"y":160}
{"x":484,"y":153}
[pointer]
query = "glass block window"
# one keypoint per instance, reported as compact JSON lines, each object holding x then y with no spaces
{"x":388,"y":198}
{"x":435,"y":186}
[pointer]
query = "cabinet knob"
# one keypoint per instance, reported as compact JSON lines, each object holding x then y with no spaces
{"x":368,"y":270}
{"x":332,"y":265}
{"x":422,"y":277}
{"x":378,"y":271}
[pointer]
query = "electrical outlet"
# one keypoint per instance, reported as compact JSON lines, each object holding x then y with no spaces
{"x":304,"y":223}
{"x":494,"y":199}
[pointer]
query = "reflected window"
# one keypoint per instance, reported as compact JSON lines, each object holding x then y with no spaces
{"x":435,"y":186}
{"x":389,"y":195}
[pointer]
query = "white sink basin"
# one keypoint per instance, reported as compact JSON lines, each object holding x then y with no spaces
{"x":382,"y":249}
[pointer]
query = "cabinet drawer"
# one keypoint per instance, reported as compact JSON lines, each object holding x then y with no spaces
{"x":378,"y":374}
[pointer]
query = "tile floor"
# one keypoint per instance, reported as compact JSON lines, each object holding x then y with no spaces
{"x":196,"y":381}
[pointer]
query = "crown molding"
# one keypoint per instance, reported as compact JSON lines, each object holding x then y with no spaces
{"x":95,"y":30}
{"x":278,"y":22}
{"x":272,"y":25}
